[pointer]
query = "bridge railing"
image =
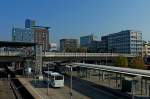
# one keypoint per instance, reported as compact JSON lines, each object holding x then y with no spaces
{"x":10,"y":53}
{"x":52,"y":54}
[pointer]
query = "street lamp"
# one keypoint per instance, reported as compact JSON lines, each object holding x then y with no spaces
{"x":48,"y":81}
{"x":70,"y":67}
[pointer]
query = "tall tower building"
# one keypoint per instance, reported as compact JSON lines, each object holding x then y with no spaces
{"x":32,"y":33}
{"x":29,"y":23}
{"x":41,"y":36}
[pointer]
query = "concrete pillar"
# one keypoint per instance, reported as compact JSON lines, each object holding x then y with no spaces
{"x":146,"y":86}
{"x":99,"y":75}
{"x":109,"y":81}
{"x":141,"y":86}
{"x":133,"y":89}
{"x":79,"y":72}
{"x":116,"y":80}
{"x":86,"y":73}
{"x":103,"y":75}
{"x":120,"y":81}
{"x":89,"y":74}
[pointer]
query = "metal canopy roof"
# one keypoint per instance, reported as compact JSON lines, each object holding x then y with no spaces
{"x":129,"y":71}
{"x":16,"y":44}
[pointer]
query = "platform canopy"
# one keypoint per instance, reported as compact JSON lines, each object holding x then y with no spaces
{"x":16,"y":44}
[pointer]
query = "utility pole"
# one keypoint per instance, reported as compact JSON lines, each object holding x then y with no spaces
{"x":71,"y":82}
{"x":48,"y":82}
{"x":70,"y":68}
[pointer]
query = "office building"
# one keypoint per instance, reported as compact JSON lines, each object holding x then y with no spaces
{"x":29,"y":23}
{"x":41,"y":36}
{"x":103,"y":44}
{"x":68,"y":44}
{"x":90,"y":43}
{"x":32,"y":33}
{"x":127,"y":41}
{"x":85,"y":41}
{"x":146,"y":49}
{"x":22,"y":35}
{"x":94,"y":47}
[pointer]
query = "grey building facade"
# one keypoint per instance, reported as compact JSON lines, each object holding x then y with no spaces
{"x":68,"y":44}
{"x":127,"y":41}
{"x":90,"y":43}
{"x":85,"y":41}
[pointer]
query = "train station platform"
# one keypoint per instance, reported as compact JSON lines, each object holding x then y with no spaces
{"x":35,"y":93}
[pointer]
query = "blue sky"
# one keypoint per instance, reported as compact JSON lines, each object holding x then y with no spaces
{"x":75,"y":18}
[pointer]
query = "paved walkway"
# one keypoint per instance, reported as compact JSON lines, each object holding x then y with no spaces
{"x":5,"y":91}
{"x":39,"y":90}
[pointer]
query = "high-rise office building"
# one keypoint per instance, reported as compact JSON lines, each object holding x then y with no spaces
{"x":29,"y":23}
{"x":127,"y":41}
{"x":71,"y":44}
{"x":94,"y":47}
{"x":22,"y":35}
{"x":104,"y":44}
{"x":41,"y":36}
{"x":32,"y":33}
{"x":85,"y":41}
{"x":90,"y":43}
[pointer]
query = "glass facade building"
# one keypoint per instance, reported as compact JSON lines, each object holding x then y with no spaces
{"x":22,"y":35}
{"x":85,"y":41}
{"x":29,"y":23}
{"x":91,"y":43}
{"x":32,"y":33}
{"x":127,"y":41}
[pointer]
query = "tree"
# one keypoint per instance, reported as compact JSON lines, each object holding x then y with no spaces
{"x":137,"y":62}
{"x":121,"y":61}
{"x":82,"y":50}
{"x":70,"y":50}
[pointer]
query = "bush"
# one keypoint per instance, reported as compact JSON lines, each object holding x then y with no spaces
{"x":121,"y":61}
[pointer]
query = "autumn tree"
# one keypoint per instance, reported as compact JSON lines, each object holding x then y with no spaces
{"x":121,"y":61}
{"x":137,"y":62}
{"x":70,"y":50}
{"x":82,"y":50}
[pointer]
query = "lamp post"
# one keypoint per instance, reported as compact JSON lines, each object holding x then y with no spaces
{"x":70,"y":68}
{"x":132,"y":89}
{"x":48,"y":81}
{"x":71,"y":84}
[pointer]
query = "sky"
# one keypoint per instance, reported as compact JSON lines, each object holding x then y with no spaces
{"x":75,"y":18}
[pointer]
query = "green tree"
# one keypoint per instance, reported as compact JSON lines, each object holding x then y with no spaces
{"x":121,"y":61}
{"x":138,"y":63}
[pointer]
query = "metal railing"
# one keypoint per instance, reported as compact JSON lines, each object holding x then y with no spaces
{"x":50,"y":54}
{"x":10,"y":53}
